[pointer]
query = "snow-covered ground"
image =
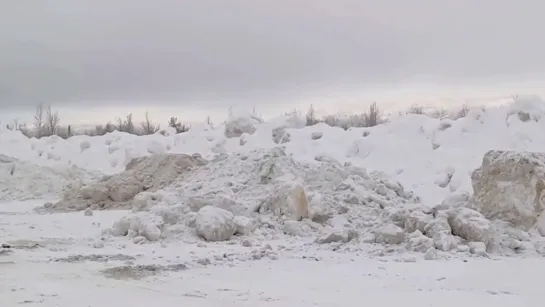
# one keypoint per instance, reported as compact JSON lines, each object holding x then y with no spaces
{"x":45,"y":275}
{"x":223,"y":231}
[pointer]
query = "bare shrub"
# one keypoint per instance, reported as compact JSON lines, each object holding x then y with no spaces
{"x":13,"y":126}
{"x":102,"y":129}
{"x":367,"y":119}
{"x":416,"y":109}
{"x":126,"y":125}
{"x":176,"y":124}
{"x":63,"y":132}
{"x":148,"y":127}
{"x":210,"y":123}
{"x":28,"y":132}
{"x":462,"y":112}
{"x":440,"y":113}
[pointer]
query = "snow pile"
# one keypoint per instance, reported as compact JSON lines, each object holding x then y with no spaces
{"x":267,"y":195}
{"x":146,"y":174}
{"x":21,"y":180}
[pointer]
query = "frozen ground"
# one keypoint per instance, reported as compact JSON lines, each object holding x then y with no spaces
{"x":34,"y":275}
{"x":378,"y":216}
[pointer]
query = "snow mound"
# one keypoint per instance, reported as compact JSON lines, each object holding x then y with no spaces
{"x":510,"y":186}
{"x":21,"y":180}
{"x":145,"y":174}
{"x":266,"y":194}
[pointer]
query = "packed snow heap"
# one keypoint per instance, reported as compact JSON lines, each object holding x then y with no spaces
{"x":269,"y":194}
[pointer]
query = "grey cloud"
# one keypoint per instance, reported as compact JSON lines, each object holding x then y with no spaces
{"x":210,"y":51}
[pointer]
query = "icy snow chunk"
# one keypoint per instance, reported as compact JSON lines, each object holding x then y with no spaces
{"x":436,"y":226}
{"x":216,"y":200}
{"x":121,"y":227}
{"x":150,"y":231}
{"x":84,"y":145}
{"x":417,"y":220}
{"x":444,"y":241}
{"x":275,"y":164}
{"x":389,"y":234}
{"x":431,"y":254}
{"x":418,"y":242}
{"x":316,"y":135}
{"x":235,"y":127}
{"x":477,"y":248}
{"x":144,"y":200}
{"x":295,"y":228}
{"x":470,"y":225}
{"x":280,"y":135}
{"x":397,"y":215}
{"x":443,"y":178}
{"x":510,"y":186}
{"x":245,"y":225}
{"x":88,"y":212}
{"x":215,"y":224}
{"x":453,"y":201}
{"x":190,"y":219}
{"x":297,"y":201}
{"x":343,"y":236}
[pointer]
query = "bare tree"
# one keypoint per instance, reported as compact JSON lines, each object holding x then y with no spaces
{"x":52,"y":120}
{"x":311,"y":117}
{"x":373,"y":116}
{"x":39,"y":120}
{"x":148,"y":126}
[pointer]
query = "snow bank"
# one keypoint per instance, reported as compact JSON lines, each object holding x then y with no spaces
{"x":433,"y":157}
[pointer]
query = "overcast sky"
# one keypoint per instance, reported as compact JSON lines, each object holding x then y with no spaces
{"x":207,"y":53}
